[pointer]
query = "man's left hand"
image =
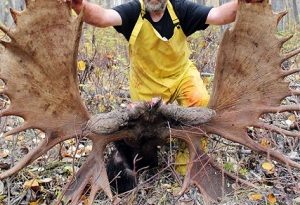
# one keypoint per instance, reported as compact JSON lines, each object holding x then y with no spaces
{"x":254,"y":1}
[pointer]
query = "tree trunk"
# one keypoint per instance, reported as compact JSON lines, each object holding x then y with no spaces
{"x":295,"y":12}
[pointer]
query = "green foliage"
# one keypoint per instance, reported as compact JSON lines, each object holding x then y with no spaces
{"x":229,"y":166}
{"x":243,"y":171}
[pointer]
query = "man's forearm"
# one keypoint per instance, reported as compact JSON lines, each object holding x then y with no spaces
{"x":229,"y":11}
{"x":223,"y":14}
{"x":90,"y":13}
{"x":96,"y":15}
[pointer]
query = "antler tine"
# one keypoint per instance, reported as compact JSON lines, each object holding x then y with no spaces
{"x":3,"y":90}
{"x":290,"y":72}
{"x":50,"y":141}
{"x":4,"y":43}
{"x":92,"y":172}
{"x":15,"y":14}
{"x":290,"y":54}
{"x":295,"y":92}
{"x":245,"y":140}
{"x":201,"y":170}
{"x":269,"y":152}
{"x":277,"y":129}
{"x":16,"y":130}
{"x":284,"y":40}
{"x":280,"y":15}
{"x":7,"y":112}
{"x":283,"y":108}
{"x":27,"y":2}
{"x":100,"y":181}
{"x":6,"y":30}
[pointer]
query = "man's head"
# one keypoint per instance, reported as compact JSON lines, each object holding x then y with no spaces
{"x":155,"y":5}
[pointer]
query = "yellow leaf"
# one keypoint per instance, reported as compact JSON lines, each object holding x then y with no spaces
{"x":272,"y":199}
{"x":255,"y":197}
{"x":31,"y":183}
{"x":269,"y":167}
{"x":207,"y":80}
{"x":204,"y":144}
{"x":181,"y":160}
{"x":203,"y":44}
{"x":4,"y":153}
{"x":81,"y":65}
{"x":34,"y":203}
{"x":265,"y":142}
{"x":101,"y":108}
{"x":292,"y":118}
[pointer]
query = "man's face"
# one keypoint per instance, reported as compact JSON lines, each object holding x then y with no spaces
{"x":155,"y":5}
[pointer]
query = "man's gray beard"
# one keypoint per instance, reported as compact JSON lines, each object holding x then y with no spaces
{"x":150,"y":7}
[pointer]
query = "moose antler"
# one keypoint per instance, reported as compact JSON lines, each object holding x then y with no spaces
{"x":249,"y":82}
{"x":38,"y":66}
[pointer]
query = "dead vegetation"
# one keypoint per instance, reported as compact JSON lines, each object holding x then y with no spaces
{"x":33,"y":185}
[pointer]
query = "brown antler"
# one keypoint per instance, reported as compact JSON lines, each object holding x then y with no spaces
{"x":249,"y":78}
{"x":249,"y":82}
{"x":38,"y":66}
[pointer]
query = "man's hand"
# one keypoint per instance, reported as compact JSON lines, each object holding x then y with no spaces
{"x":77,"y":5}
{"x":254,"y":1}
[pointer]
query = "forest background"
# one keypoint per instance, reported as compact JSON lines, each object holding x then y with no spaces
{"x":103,"y":74}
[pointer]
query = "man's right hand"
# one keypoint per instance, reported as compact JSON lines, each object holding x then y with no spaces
{"x":77,"y":5}
{"x":94,"y":14}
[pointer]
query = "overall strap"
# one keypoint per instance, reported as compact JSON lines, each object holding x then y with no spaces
{"x":138,"y":25}
{"x":173,"y":15}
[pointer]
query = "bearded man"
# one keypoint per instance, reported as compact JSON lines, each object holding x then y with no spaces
{"x":159,"y":56}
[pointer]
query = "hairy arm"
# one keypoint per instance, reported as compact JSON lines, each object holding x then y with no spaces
{"x":225,"y":13}
{"x":96,"y":15}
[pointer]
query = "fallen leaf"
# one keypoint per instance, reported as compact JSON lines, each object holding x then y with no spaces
{"x":265,"y":142}
{"x":292,"y":118}
{"x":33,"y":183}
{"x":268,"y":167}
{"x":4,"y":153}
{"x":81,"y":65}
{"x":271,"y":199}
{"x":255,"y":197}
{"x":181,"y":161}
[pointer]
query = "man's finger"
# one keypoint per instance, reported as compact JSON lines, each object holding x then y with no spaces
{"x":77,"y":1}
{"x":254,"y":1}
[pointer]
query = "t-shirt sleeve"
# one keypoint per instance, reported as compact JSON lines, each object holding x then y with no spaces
{"x":129,"y":13}
{"x":192,"y":16}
